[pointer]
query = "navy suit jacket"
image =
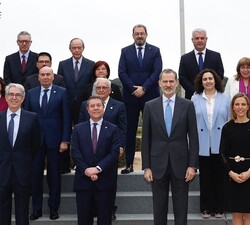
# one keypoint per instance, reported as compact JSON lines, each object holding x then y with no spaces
{"x":21,"y":154}
{"x":131,"y":74}
{"x":55,"y":123}
{"x":75,"y":89}
{"x":12,"y":71}
{"x":189,"y":69}
{"x":32,"y":81}
{"x":114,"y":113}
{"x":106,"y":156}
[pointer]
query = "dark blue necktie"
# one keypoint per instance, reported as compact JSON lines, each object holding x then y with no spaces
{"x":11,"y":128}
{"x":44,"y":100}
{"x":140,"y":56}
{"x":94,"y":137}
{"x":168,"y":117}
{"x":76,"y":70}
{"x":200,"y":61}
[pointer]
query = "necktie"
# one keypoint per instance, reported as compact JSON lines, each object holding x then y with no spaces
{"x":168,"y":117}
{"x":94,"y":137}
{"x":76,"y":70}
{"x":140,"y":56}
{"x":200,"y":61}
{"x":11,"y":128}
{"x":44,"y":100}
{"x":23,"y":63}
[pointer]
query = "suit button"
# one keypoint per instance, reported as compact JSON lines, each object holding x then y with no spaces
{"x":201,"y":129}
{"x":218,"y":128}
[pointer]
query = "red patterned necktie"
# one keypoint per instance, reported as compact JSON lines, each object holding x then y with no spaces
{"x":23,"y":63}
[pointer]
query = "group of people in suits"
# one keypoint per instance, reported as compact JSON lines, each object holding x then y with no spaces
{"x":87,"y":100}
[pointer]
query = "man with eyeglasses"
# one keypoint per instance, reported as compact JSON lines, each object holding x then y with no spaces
{"x":20,"y":141}
{"x":43,"y":59}
{"x":21,"y":64}
{"x":139,"y":68}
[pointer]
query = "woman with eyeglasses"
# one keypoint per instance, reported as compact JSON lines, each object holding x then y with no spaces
{"x":241,"y":81}
{"x":101,"y":69}
{"x":235,"y":152}
{"x":3,"y":103}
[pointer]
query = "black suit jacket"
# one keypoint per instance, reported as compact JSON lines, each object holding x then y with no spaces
{"x":114,"y":113}
{"x":32,"y":81}
{"x":189,"y":69}
{"x":12,"y":71}
{"x":21,"y":154}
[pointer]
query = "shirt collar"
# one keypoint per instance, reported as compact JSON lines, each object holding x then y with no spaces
{"x":98,"y":122}
{"x":25,"y":54}
{"x":142,"y":46}
{"x":196,"y":52}
{"x":18,"y":112}
{"x":204,"y":94}
{"x":164,"y":98}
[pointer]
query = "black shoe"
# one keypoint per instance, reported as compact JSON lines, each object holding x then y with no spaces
{"x":65,"y":171}
{"x":35,"y":215}
{"x":113,"y":217}
{"x":127,"y":169}
{"x":53,"y":215}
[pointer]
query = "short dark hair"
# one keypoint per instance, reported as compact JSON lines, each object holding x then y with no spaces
{"x":94,"y":97}
{"x":43,"y":54}
{"x":198,"y":81}
{"x":140,"y":25}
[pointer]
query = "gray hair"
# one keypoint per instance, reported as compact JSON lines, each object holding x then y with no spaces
{"x":102,"y":79}
{"x":168,"y":71}
{"x":74,"y":40}
{"x":199,"y":30}
{"x":23,"y":33}
{"x":19,"y":86}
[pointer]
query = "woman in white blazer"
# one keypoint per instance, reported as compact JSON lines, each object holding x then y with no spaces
{"x":212,"y":108}
{"x":241,"y":81}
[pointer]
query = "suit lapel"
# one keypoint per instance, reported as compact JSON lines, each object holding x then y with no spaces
{"x":158,"y":109}
{"x":203,"y":107}
{"x":177,"y":112}
{"x":102,"y":134}
{"x":109,"y":109}
{"x":217,"y":104}
{"x":22,"y":124}
{"x":70,"y":69}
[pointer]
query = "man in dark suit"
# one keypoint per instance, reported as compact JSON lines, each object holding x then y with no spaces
{"x":139,"y":69}
{"x":20,"y":141}
{"x":21,"y":64}
{"x":169,"y":149}
{"x":51,"y":104}
{"x":114,"y":112}
{"x":95,"y":155}
{"x":43,"y":59}
{"x":76,"y":72}
{"x":190,"y":65}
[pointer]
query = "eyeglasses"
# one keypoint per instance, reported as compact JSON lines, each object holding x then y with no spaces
{"x":17,"y":95}
{"x":44,"y":61}
{"x":139,"y":34}
{"x":24,"y":41}
{"x":105,"y":88}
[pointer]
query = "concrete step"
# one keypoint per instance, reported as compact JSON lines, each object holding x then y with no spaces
{"x":127,"y":202}
{"x":128,"y":182}
{"x":132,"y":219}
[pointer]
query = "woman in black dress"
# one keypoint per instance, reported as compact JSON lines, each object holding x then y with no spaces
{"x":235,"y":152}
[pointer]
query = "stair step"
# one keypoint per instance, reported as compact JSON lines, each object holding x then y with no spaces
{"x":132,"y":219}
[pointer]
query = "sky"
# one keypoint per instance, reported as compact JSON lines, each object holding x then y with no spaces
{"x":105,"y":26}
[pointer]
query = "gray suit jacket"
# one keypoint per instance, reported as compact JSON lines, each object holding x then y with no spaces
{"x":181,"y":148}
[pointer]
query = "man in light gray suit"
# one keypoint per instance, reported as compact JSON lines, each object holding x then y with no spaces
{"x":169,"y":155}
